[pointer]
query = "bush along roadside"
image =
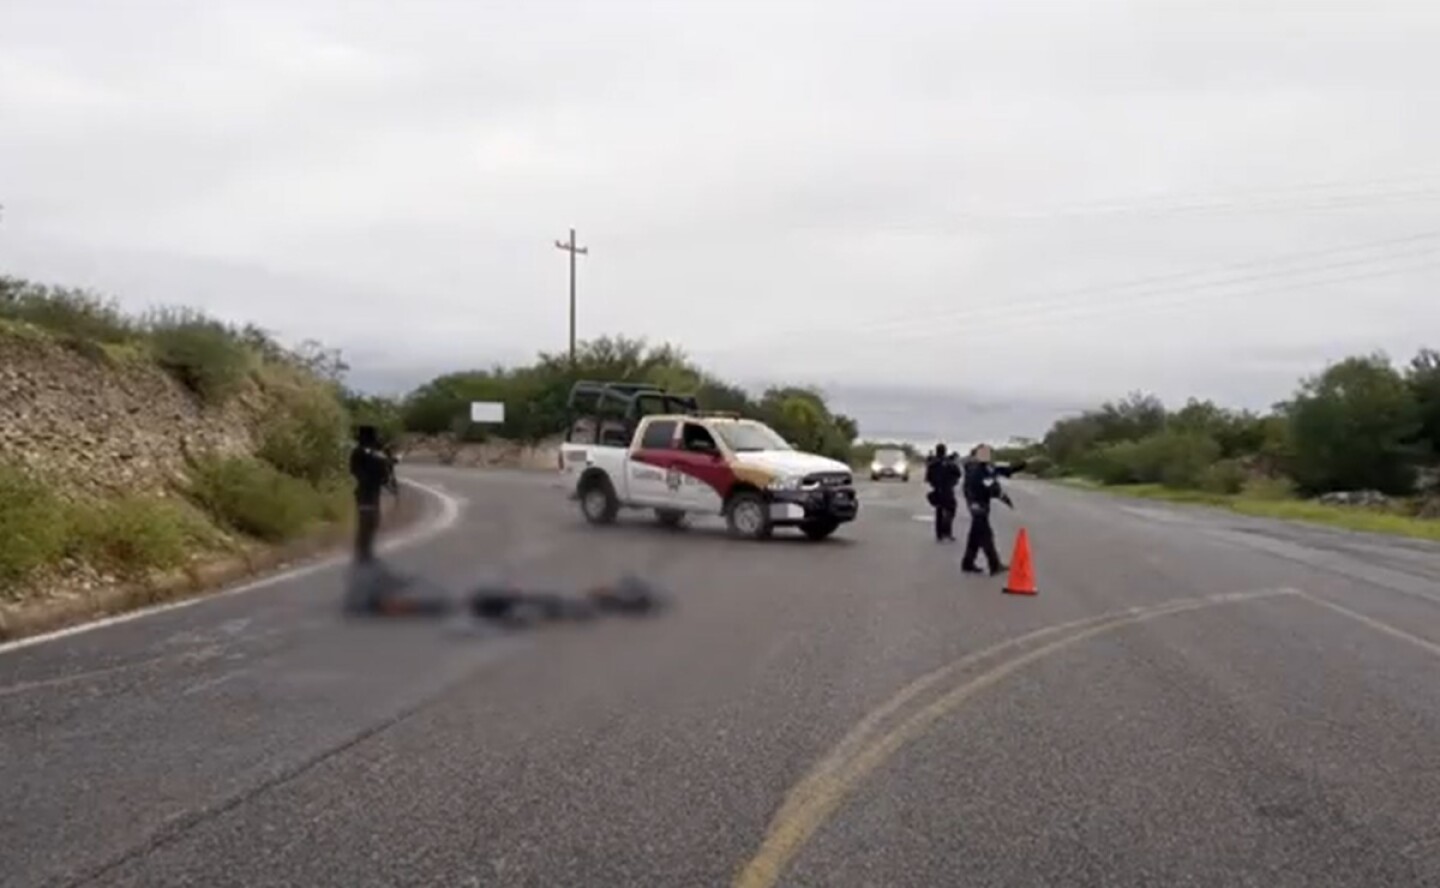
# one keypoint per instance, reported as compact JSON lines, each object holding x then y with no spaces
{"x":229,"y":505}
{"x":1357,"y":446}
{"x":128,"y":538}
{"x":62,"y":560}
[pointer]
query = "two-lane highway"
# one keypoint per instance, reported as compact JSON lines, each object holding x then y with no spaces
{"x":1193,"y":698}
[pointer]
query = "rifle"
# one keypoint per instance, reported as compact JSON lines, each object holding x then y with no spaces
{"x":392,"y":483}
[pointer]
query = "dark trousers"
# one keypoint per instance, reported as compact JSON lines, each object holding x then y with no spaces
{"x":980,"y":539}
{"x":945,"y":518}
{"x":367,"y":525}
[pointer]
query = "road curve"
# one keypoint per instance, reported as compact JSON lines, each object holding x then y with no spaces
{"x":1193,"y":698}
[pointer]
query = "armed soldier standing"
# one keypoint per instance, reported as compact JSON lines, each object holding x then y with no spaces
{"x":374,"y":471}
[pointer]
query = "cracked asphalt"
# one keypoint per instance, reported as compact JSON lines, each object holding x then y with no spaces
{"x":1194,"y":698}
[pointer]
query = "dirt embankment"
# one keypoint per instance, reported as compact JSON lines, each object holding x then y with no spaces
{"x":98,"y":462}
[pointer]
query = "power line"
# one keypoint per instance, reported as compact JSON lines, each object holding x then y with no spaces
{"x":1362,"y":190}
{"x":1046,"y":305}
{"x":977,"y":336}
{"x":1184,"y":296}
{"x":1288,"y":200}
{"x":1280,"y":202}
{"x":900,"y":324}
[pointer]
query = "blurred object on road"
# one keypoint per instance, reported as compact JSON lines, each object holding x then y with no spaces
{"x":375,"y":589}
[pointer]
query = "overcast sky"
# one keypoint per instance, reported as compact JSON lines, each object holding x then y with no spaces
{"x":1033,"y":203}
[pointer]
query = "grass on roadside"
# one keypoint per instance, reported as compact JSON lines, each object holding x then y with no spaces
{"x":33,"y":526}
{"x":132,"y":537}
{"x":1269,"y":503}
{"x":129,"y":537}
{"x":135,"y":535}
{"x":256,"y":499}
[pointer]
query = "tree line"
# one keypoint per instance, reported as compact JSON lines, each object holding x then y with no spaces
{"x":534,"y":396}
{"x":1360,"y":424}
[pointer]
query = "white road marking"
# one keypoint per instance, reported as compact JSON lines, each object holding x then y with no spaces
{"x":450,"y":511}
{"x":1424,"y":644}
{"x":215,"y":682}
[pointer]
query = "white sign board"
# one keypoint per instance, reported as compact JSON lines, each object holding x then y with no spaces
{"x":487,"y":411}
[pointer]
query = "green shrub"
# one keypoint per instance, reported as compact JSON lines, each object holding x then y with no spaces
{"x":336,"y":502}
{"x":201,"y":353}
{"x":1184,"y":459}
{"x":76,"y":314}
{"x":1041,"y":467}
{"x":308,"y":439}
{"x":134,"y":535}
{"x":381,"y":412}
{"x":1227,"y":476}
{"x":255,"y":498}
{"x":1272,"y":489}
{"x":32,"y":525}
{"x":1354,"y":427}
{"x":1177,"y":460}
{"x":1112,"y":463}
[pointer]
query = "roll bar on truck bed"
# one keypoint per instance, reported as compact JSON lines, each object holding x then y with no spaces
{"x":610,"y":411}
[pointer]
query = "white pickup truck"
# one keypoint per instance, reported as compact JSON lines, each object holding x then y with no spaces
{"x":687,"y":463}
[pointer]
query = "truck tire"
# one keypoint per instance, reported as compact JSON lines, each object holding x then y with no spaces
{"x":820,"y":529}
{"x":598,"y":502}
{"x":747,"y":516}
{"x":671,"y":518}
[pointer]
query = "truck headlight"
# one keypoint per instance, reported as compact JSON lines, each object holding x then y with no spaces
{"x":875,"y":466}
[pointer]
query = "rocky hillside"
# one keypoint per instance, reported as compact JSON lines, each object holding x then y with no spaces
{"x":98,"y":420}
{"x":137,"y":450}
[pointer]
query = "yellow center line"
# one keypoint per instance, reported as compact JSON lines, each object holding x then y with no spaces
{"x":867,"y":725}
{"x":818,"y":796}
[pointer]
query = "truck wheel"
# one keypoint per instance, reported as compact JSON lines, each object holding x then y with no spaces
{"x":748,"y":516}
{"x":821,"y":529}
{"x":597,"y":501}
{"x":672,"y":518}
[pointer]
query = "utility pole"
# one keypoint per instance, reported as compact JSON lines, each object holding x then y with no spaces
{"x":569,"y":247}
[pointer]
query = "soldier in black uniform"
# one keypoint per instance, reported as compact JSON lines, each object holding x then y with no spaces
{"x":982,"y":484}
{"x":942,"y":473}
{"x":374,"y":472}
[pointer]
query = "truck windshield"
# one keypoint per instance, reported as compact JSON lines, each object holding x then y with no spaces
{"x":889,"y":456}
{"x":750,"y":436}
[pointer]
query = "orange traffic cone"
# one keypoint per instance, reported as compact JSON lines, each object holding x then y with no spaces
{"x":1022,"y":572}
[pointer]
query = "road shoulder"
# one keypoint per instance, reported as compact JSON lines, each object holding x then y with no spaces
{"x":31,"y":621}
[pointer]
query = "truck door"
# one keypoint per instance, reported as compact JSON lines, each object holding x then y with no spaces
{"x":651,"y":470}
{"x":705,"y":476}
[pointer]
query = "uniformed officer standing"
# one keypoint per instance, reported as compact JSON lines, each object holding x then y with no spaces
{"x":982,"y":484}
{"x":374,"y":472}
{"x":943,"y":474}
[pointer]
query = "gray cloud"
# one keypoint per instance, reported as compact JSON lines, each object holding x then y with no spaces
{"x":860,"y":194}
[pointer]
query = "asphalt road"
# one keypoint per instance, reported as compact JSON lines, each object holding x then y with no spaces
{"x":1192,"y":699}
